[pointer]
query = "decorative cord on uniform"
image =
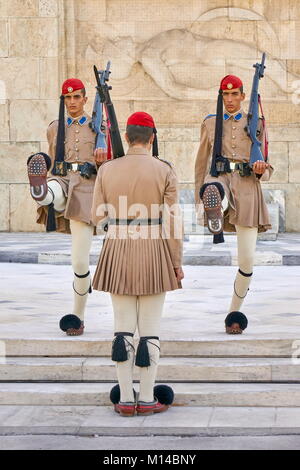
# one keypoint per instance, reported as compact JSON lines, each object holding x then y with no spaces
{"x":142,"y":356}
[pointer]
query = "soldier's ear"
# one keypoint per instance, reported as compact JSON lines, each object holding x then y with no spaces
{"x":243,"y":96}
{"x":152,"y":138}
{"x":126,"y":138}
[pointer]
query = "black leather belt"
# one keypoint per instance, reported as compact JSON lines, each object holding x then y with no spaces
{"x":135,"y":221}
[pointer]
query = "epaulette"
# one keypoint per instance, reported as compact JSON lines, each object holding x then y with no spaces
{"x":54,"y":120}
{"x":165,"y":161}
{"x":208,"y":116}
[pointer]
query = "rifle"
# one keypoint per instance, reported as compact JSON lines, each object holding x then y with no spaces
{"x":102,"y":77}
{"x":97,"y":123}
{"x":253,"y":113}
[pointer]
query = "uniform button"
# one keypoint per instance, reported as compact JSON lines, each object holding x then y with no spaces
{"x":234,"y":154}
{"x":234,"y":128}
{"x":77,"y":131}
{"x":233,"y":146}
{"x":77,"y":150}
{"x":77,"y":140}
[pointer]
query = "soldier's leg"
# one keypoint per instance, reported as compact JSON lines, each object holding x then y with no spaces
{"x":246,"y":240}
{"x":149,"y":317}
{"x":54,"y":195}
{"x":125,"y":321}
{"x":82,"y":235}
{"x":43,"y":191}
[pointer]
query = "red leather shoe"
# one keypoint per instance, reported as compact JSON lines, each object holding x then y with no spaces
{"x":125,"y":409}
{"x":146,"y":409}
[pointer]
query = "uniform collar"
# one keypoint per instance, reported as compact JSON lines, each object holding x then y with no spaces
{"x":138,"y":151}
{"x":237,"y":116}
{"x":81,"y":121}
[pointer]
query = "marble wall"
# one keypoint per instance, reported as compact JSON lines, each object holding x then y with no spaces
{"x":167,"y":59}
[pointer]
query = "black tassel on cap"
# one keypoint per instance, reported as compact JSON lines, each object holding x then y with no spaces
{"x":142,"y":355}
{"x":155,"y":144}
{"x":60,"y":140}
{"x":51,"y":223}
{"x":217,"y":150}
{"x":119,"y":351}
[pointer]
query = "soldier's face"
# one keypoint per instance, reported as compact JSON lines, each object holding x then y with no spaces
{"x":75,"y":102}
{"x":232,"y":99}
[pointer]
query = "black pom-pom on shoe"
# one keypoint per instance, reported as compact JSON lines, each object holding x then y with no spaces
{"x":115,"y":394}
{"x":236,"y":317}
{"x":164,"y":394}
{"x":69,"y":321}
{"x":46,"y":158}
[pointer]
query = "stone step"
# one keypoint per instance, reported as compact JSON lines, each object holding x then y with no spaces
{"x":170,"y":369}
{"x":177,"y":421}
{"x":231,"y":346}
{"x":186,"y":394}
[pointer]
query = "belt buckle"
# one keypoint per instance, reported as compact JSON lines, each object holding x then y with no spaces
{"x":74,"y":167}
{"x":232,"y":165}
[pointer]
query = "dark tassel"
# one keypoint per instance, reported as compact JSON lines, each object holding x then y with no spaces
{"x":155,"y":144}
{"x":219,"y":238}
{"x":164,"y":394}
{"x":51,"y":223}
{"x":217,"y":150}
{"x":119,"y":352}
{"x":60,"y":139}
{"x":70,"y":321}
{"x":237,"y":317}
{"x":142,"y":356}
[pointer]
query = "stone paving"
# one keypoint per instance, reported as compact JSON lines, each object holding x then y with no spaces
{"x":54,"y":248}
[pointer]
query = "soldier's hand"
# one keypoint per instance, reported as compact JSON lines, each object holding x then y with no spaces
{"x":100,"y":155}
{"x":260,"y":167}
{"x":179,"y":273}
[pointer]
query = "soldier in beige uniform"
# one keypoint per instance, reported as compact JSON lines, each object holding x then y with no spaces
{"x":243,"y":207}
{"x":141,"y":256}
{"x":65,"y":197}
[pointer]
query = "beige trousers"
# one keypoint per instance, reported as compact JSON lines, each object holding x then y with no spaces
{"x":142,"y":313}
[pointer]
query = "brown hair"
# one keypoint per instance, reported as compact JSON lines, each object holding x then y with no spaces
{"x":138,"y":134}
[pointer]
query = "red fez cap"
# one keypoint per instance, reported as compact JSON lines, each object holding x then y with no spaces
{"x":70,"y":85}
{"x":141,"y":119}
{"x":230,"y":81}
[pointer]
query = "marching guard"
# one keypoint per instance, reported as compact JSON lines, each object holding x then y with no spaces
{"x":62,"y":184}
{"x":228,"y":192}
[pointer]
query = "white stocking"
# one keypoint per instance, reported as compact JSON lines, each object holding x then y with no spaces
{"x":82,"y":234}
{"x":246,"y":239}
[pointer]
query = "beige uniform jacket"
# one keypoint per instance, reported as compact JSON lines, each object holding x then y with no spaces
{"x":246,"y":203}
{"x":79,"y":148}
{"x":138,"y":260}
